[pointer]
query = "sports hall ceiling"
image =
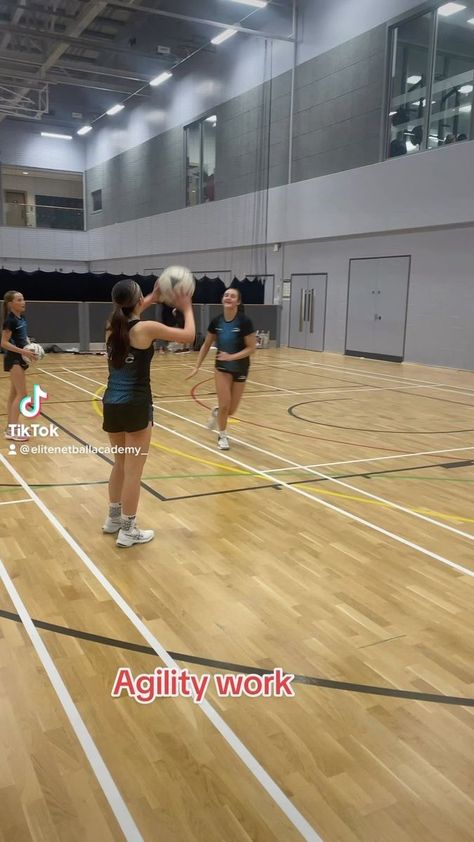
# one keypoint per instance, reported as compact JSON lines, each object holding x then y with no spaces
{"x":65,"y":62}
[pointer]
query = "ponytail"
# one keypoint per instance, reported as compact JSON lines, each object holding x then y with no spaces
{"x":125,"y":296}
{"x":118,"y":340}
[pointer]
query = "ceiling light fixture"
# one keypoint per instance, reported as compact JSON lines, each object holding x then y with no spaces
{"x":24,"y":172}
{"x":257,"y":4}
{"x":158,"y":80}
{"x":450,"y":9}
{"x":84,"y":130}
{"x":466,"y":89}
{"x":58,"y":136}
{"x":471,"y":20}
{"x":223,"y":36}
{"x":413,"y":80}
{"x":115,"y":109}
{"x":212,"y":119}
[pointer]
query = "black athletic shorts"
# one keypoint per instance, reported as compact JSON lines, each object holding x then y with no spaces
{"x":237,"y":376}
{"x":10,"y":359}
{"x":126,"y":417}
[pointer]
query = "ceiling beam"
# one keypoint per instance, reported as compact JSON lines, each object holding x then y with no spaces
{"x":69,"y":64}
{"x":85,"y":17}
{"x":70,"y":81}
{"x":60,"y":13}
{"x":77,"y":40}
{"x":120,"y":4}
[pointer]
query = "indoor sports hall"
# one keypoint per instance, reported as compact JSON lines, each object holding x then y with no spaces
{"x":284,"y":648}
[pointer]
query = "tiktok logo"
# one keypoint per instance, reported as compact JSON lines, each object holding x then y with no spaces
{"x":30,"y":406}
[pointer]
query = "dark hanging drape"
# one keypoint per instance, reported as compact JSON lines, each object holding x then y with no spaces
{"x":252,"y":291}
{"x":67,"y":286}
{"x":90,"y":286}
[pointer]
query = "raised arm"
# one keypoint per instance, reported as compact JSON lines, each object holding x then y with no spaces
{"x":157,"y":330}
{"x":202,"y":353}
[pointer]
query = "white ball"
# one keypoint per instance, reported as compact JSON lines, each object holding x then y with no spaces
{"x":38,"y":350}
{"x":175,"y":279}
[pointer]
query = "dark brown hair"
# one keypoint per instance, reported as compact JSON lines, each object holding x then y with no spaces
{"x":125,"y":296}
{"x":7,"y":300}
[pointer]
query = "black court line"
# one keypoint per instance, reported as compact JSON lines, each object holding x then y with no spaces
{"x":433,"y":398}
{"x":100,"y":455}
{"x":291,"y":411}
{"x":467,"y":464}
{"x":316,"y":479}
{"x":244,"y":668}
{"x":275,"y":484}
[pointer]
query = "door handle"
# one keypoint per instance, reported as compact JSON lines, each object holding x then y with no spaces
{"x":377,"y":318}
{"x":311,"y":311}
{"x":301,"y":310}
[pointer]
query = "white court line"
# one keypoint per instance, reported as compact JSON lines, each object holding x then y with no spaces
{"x":334,"y":480}
{"x":260,"y":774}
{"x":381,"y":458}
{"x":398,"y":538}
{"x":109,"y":788}
{"x":402,"y":380}
{"x":14,"y":502}
{"x":268,"y":386}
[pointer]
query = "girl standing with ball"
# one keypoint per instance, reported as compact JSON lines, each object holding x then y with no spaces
{"x":234,"y":335}
{"x":14,"y":340}
{"x":127,"y":401}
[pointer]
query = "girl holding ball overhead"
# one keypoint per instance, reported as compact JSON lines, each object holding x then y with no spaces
{"x":14,"y":340}
{"x":127,"y":400}
{"x":234,"y":336}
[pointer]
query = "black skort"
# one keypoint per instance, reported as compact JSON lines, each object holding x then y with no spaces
{"x":10,"y":359}
{"x":126,"y":417}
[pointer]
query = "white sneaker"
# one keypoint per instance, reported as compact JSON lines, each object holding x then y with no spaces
{"x":112,"y":525}
{"x":223,"y":442}
{"x":212,"y":420}
{"x":134,"y":536}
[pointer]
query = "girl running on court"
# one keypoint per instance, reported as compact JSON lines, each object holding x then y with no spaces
{"x":234,"y":335}
{"x":127,"y":400}
{"x":14,"y":339}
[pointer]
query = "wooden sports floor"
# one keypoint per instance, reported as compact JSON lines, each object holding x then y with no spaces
{"x":334,"y":540}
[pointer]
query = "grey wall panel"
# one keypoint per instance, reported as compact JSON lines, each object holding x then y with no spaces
{"x":145,"y":180}
{"x":54,"y":322}
{"x":337,"y":122}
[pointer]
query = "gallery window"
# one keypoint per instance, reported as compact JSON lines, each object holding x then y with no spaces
{"x":200,"y":160}
{"x":431,"y":80}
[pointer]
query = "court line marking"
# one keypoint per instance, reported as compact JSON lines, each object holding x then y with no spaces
{"x":14,"y":502}
{"x":254,"y":767}
{"x":100,"y":770}
{"x":391,"y":504}
{"x":308,"y":680}
{"x":178,"y":452}
{"x":383,"y":458}
{"x":398,"y":538}
{"x":401,"y":380}
{"x":279,"y":390}
{"x":381,"y":500}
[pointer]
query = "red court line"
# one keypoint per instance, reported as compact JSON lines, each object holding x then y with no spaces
{"x":292,"y":432}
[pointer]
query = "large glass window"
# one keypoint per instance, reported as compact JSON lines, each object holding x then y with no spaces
{"x":410,"y":73}
{"x":432,"y":79}
{"x":200,"y":161}
{"x":452,"y":93}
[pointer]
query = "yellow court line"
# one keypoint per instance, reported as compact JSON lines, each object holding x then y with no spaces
{"x":388,"y":505}
{"x":174,"y":452}
{"x":339,"y":494}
